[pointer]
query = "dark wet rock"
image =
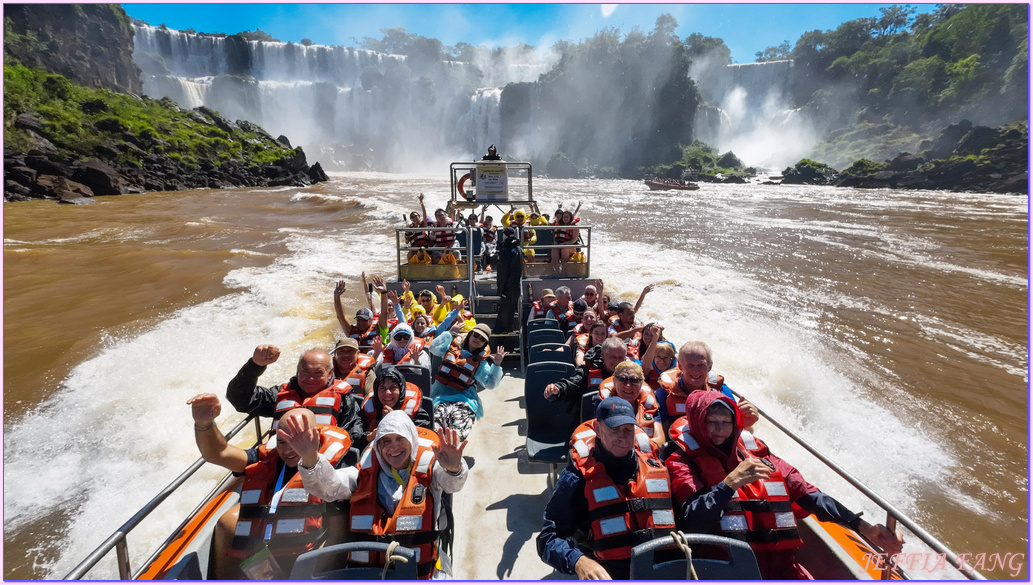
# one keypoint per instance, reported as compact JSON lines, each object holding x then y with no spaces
{"x":808,"y":172}
{"x":21,"y":174}
{"x":284,"y":141}
{"x":315,"y":172}
{"x":101,"y":178}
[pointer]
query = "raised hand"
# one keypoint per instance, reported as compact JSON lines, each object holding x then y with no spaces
{"x":449,"y":451}
{"x":378,"y":285}
{"x":648,"y":289}
{"x":340,"y":288}
{"x":457,"y":327}
{"x":750,"y":414}
{"x":378,"y":345}
{"x":205,"y":408}
{"x":295,"y":430}
{"x":265,"y":355}
{"x":499,"y":355}
{"x":405,"y":285}
{"x":392,"y":296}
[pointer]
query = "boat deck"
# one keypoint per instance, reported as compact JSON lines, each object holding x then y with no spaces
{"x":498,"y":514}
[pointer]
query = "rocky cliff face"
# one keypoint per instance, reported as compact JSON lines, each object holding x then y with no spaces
{"x":91,"y":44}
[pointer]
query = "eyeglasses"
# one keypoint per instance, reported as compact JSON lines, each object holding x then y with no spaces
{"x":628,"y":379}
{"x":403,"y":337}
{"x":579,"y":315}
{"x":479,"y":337}
{"x":719,"y":424}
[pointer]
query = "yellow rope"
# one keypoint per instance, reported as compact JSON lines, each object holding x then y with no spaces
{"x":679,"y":539}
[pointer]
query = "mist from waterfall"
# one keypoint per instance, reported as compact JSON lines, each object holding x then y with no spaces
{"x":348,"y":108}
{"x":748,"y":112}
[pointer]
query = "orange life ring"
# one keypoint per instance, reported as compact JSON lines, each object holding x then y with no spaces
{"x":459,"y":186}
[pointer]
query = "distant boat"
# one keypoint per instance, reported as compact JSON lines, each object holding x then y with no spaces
{"x":655,"y":185}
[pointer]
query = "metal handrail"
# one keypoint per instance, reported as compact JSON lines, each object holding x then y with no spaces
{"x":893,"y":515}
{"x":117,"y":540}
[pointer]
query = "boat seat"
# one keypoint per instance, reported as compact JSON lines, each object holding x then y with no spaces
{"x":316,"y":564}
{"x":550,"y":352}
{"x":548,"y":335}
{"x":548,"y":425}
{"x":740,"y":566}
{"x":419,"y":375}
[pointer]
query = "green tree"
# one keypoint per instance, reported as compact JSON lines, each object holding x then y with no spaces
{"x":778,"y":53}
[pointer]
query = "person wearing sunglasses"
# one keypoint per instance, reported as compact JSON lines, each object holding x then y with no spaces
{"x":716,"y":460}
{"x":404,"y":348}
{"x":628,"y":383}
{"x":466,"y":362}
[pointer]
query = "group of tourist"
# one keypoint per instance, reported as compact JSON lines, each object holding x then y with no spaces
{"x":669,"y":448}
{"x":356,"y":454}
{"x":348,"y":427}
{"x":439,"y":246}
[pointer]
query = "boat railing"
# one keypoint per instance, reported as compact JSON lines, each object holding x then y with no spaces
{"x":893,"y":515}
{"x":118,"y":539}
{"x":537,"y":266}
{"x":410,"y":270}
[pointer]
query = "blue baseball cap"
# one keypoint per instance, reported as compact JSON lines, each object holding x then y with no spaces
{"x":615,"y":411}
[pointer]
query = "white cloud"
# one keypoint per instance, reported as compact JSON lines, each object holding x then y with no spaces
{"x":608,"y":9}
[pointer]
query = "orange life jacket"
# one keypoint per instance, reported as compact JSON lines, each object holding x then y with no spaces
{"x":622,"y":516}
{"x":595,"y":378}
{"x":412,"y":524}
{"x":563,"y":236}
{"x":582,"y":341}
{"x":297,"y":524}
{"x":646,"y":405}
{"x":671,"y":382}
{"x":444,"y":238}
{"x":408,"y":403}
{"x":325,"y":404}
{"x":538,"y":311}
{"x":409,"y":356}
{"x":356,"y":378}
{"x":365,"y":337}
{"x":458,"y":372}
{"x":760,"y":513}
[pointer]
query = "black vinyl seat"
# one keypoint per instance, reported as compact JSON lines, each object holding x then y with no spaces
{"x":550,"y":352}
{"x":740,"y":566}
{"x":314,"y":564}
{"x":548,"y":335}
{"x":548,"y":425}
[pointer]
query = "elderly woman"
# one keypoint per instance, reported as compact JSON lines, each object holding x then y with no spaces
{"x":466,"y":362}
{"x":716,"y":461}
{"x":401,"y":476}
{"x":628,"y":383}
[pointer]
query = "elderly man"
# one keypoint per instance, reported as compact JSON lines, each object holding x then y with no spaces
{"x":611,"y":497}
{"x":717,"y":460}
{"x":263,"y":521}
{"x":395,"y":491}
{"x":334,"y":402}
{"x":350,"y":365}
{"x":693,"y":374}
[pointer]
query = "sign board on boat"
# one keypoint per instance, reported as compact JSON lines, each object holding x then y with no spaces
{"x":492,"y":182}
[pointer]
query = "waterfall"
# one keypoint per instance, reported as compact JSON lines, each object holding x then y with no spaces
{"x":350,"y":109}
{"x":749,"y":112}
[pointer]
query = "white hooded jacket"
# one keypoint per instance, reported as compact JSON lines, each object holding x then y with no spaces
{"x":329,"y":484}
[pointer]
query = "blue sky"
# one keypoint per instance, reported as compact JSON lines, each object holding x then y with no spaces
{"x":745,"y":28}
